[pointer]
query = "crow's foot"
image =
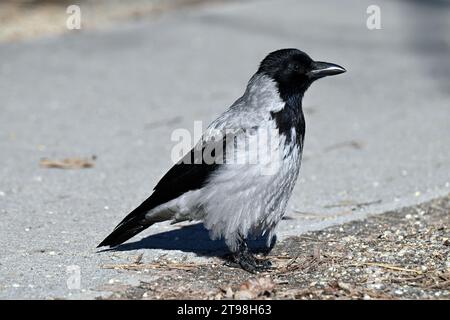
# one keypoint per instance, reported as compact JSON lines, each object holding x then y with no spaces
{"x":244,"y":259}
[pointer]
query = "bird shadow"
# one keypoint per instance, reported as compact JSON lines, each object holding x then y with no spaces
{"x":192,"y":238}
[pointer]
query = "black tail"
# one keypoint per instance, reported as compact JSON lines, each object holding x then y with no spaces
{"x":133,"y":223}
{"x":123,"y":232}
{"x":181,"y":178}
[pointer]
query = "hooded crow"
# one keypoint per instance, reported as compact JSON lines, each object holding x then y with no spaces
{"x":240,"y":175}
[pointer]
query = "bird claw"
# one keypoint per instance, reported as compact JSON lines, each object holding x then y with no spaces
{"x":249,"y":263}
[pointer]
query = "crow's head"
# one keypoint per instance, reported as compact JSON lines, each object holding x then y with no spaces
{"x":294,"y":70}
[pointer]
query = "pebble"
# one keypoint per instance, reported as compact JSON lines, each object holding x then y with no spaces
{"x":378,"y":286}
{"x":229,"y":292}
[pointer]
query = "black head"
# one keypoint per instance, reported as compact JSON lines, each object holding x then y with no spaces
{"x":294,"y":70}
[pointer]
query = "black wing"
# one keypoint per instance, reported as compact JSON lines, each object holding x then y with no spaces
{"x":190,"y":173}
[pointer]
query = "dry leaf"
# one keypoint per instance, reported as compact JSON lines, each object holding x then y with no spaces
{"x":68,"y":163}
{"x":254,"y":288}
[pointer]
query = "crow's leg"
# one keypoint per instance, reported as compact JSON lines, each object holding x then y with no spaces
{"x":244,"y":259}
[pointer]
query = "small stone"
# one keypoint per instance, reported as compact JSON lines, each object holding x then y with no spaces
{"x":345,"y":286}
{"x":378,"y":286}
{"x":229,"y":293}
{"x":244,"y":295}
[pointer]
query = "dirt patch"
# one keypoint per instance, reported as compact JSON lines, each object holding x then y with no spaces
{"x":396,"y":255}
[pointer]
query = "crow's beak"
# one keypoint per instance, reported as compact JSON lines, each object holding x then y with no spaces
{"x":323,"y":69}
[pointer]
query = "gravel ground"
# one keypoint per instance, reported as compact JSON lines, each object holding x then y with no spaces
{"x":402,"y":254}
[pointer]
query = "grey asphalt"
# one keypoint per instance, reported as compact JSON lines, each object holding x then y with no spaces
{"x":377,"y":137}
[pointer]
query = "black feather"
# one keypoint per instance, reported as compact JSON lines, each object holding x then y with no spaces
{"x":291,"y":116}
{"x":190,"y":173}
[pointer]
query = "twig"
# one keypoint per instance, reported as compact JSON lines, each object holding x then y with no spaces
{"x":386,"y":266}
{"x":440,"y":285}
{"x":352,"y":204}
{"x":280,"y":257}
{"x":292,"y":261}
{"x":141,"y":266}
{"x":400,"y":280}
